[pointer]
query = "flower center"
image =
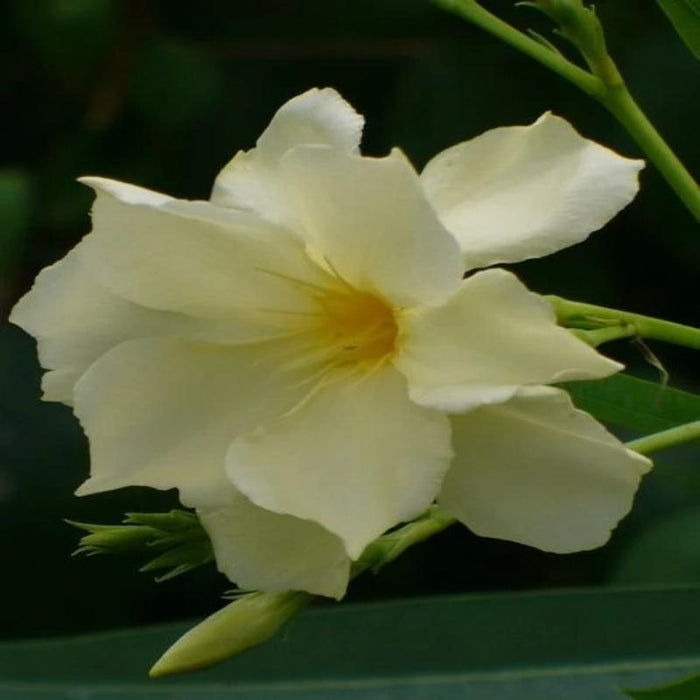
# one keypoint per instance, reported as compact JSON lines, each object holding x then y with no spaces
{"x":361,"y":325}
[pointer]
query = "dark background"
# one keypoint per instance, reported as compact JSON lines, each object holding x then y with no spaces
{"x":162,"y":94}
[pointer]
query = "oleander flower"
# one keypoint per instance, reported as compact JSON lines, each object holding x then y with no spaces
{"x":303,"y":360}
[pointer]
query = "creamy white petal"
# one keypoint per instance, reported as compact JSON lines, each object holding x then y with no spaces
{"x":526,"y":191}
{"x":58,"y":384}
{"x":368,"y":219}
{"x":261,"y":550}
{"x":196,"y":258}
{"x":75,"y":320}
{"x":161,"y":412}
{"x":250,"y":180}
{"x":357,"y":457}
{"x":490,"y":338}
{"x":535,"y":470}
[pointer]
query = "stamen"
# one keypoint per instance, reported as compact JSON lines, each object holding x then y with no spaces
{"x":288,"y":312}
{"x":294,"y":280}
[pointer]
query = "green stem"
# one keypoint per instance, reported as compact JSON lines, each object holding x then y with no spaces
{"x":666,"y":438}
{"x":476,"y":14}
{"x":618,"y":100}
{"x":589,"y":317}
{"x":611,"y":93}
{"x":390,"y":546}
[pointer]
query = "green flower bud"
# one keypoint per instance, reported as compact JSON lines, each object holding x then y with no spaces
{"x":581,"y":26}
{"x":113,"y":538}
{"x":246,"y":622}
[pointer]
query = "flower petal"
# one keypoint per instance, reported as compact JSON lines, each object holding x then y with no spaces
{"x":368,"y":219}
{"x":161,"y":412}
{"x":537,"y":471}
{"x":357,"y":457}
{"x":250,"y":180}
{"x":526,"y":191}
{"x":195,"y":258}
{"x":75,"y":320}
{"x":490,"y":338}
{"x":261,"y":550}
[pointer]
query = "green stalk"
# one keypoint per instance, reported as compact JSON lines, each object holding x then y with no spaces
{"x":390,"y":546}
{"x":591,"y":318}
{"x":476,"y":14}
{"x":622,"y":105}
{"x":605,"y":85}
{"x":666,"y":438}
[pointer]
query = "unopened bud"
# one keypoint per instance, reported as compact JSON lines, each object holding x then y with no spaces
{"x":246,"y":622}
{"x":580,"y":25}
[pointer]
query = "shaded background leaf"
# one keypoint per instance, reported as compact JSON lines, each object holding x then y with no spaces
{"x":685,"y":17}
{"x":686,"y":689}
{"x":635,"y":404}
{"x":578,"y":645}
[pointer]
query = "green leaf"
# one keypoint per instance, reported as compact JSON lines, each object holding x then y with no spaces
{"x":635,"y":403}
{"x":576,"y":644}
{"x":687,"y":689}
{"x":685,"y":17}
{"x":666,"y":551}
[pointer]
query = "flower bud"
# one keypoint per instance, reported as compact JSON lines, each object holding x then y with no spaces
{"x":242,"y":624}
{"x":581,"y":26}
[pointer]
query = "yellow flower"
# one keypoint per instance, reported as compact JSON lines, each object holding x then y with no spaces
{"x":302,"y":358}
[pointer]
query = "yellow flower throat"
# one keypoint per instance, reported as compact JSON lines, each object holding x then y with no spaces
{"x":361,"y":325}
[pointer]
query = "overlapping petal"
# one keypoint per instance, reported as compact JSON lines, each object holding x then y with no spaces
{"x":369,"y":220}
{"x":75,"y":320}
{"x":537,"y":471}
{"x":526,"y":191}
{"x":357,"y":457}
{"x":161,"y":412}
{"x":490,"y":338}
{"x":250,"y":181}
{"x":196,"y":258}
{"x":262,"y":550}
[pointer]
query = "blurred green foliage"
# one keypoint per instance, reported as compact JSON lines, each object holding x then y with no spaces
{"x":162,"y":93}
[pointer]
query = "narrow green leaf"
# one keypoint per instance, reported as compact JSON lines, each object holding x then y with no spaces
{"x":687,"y":689}
{"x":635,"y":403}
{"x":685,"y":17}
{"x":577,"y":645}
{"x":666,"y":551}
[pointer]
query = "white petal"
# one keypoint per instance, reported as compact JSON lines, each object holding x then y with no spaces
{"x":195,"y":258}
{"x":357,"y":457}
{"x":368,"y":219}
{"x":75,"y":320}
{"x":490,"y":338}
{"x":58,"y":384}
{"x":526,"y":191}
{"x":161,"y":412}
{"x":250,"y":181}
{"x":261,"y":550}
{"x":537,"y":471}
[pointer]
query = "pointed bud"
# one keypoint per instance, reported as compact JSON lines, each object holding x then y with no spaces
{"x":246,"y":622}
{"x":581,"y":26}
{"x":113,"y":538}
